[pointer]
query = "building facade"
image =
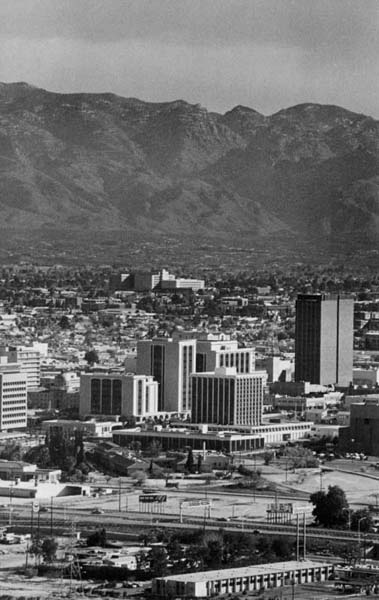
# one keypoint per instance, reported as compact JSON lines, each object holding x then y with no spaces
{"x":118,"y":394}
{"x":255,"y":578}
{"x":171,"y":362}
{"x":13,"y":396}
{"x":218,"y":350}
{"x":324,"y":339}
{"x":363,"y":433}
{"x":29,"y":359}
{"x":227,"y":397}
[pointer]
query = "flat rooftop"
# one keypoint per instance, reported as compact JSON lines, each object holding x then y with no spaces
{"x":249,"y":571}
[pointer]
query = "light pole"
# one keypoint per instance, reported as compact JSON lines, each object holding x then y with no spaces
{"x":51,"y":514}
{"x":359,"y":534}
{"x":10,"y":504}
{"x":348,"y":510}
{"x":321,"y":476}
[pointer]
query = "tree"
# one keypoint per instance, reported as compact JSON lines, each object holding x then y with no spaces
{"x":91,"y":356}
{"x":199,"y":464}
{"x":282,"y":547}
{"x":36,"y":549}
{"x":64,"y":323}
{"x":158,"y":561}
{"x":140,"y":477}
{"x":330,"y":509}
{"x":363,"y":519}
{"x":49,"y":549}
{"x":190,"y":461}
{"x":268,"y":457}
{"x":98,"y":538}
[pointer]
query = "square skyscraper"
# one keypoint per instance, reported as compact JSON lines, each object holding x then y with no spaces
{"x":324,"y":339}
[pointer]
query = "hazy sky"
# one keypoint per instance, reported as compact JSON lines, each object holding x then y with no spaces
{"x":266,"y":54}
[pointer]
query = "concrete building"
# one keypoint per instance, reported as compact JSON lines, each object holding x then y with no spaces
{"x":23,"y":471}
{"x":255,"y":578}
{"x":13,"y":396}
{"x":87,"y":428}
{"x":278,"y":368}
{"x":371,"y":340}
{"x":182,"y":438}
{"x":363,"y":433}
{"x":143,"y":281}
{"x":29,"y":359}
{"x":366,"y":377}
{"x":298,"y":388}
{"x":170,"y":361}
{"x":214,"y":437}
{"x":227,"y":397}
{"x":324,"y":339}
{"x":218,"y":350}
{"x":300,"y":404}
{"x":118,"y":394}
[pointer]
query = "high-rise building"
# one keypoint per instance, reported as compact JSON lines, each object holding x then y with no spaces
{"x":324,"y":339}
{"x":218,"y":350}
{"x":226,"y":397}
{"x":170,"y":361}
{"x":13,"y":395}
{"x":29,"y":359}
{"x":118,"y":394}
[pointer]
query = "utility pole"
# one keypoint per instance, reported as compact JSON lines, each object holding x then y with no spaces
{"x":10,"y":505}
{"x":297,"y":539}
{"x":51,"y":514}
{"x":305,"y":537}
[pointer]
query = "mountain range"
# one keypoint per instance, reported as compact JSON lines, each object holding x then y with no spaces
{"x":100,"y":163}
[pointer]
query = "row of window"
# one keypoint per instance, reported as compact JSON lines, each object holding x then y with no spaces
{"x":106,"y":396}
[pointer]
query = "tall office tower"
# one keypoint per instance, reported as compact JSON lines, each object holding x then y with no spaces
{"x":324,"y":339}
{"x":114,"y":394}
{"x":170,"y":361}
{"x":218,"y":350}
{"x":226,"y":397}
{"x":13,"y":396}
{"x":29,"y":359}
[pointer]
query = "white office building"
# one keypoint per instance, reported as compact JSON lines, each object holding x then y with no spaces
{"x":170,"y":361}
{"x":226,"y":397}
{"x":13,"y":396}
{"x":29,"y":359}
{"x":115,"y":394}
{"x":218,"y":350}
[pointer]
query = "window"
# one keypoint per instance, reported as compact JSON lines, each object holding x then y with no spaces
{"x":106,"y":408}
{"x":116,"y":397}
{"x":95,"y":396}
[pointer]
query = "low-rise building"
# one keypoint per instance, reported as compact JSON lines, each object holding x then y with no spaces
{"x":89,"y":428}
{"x":363,"y":433}
{"x":237,"y":438}
{"x":255,"y":578}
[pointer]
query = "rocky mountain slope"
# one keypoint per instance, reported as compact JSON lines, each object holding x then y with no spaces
{"x":100,"y":162}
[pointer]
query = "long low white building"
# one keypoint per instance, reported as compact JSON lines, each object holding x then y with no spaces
{"x":272,"y":433}
{"x":245,"y":579}
{"x":213,"y":437}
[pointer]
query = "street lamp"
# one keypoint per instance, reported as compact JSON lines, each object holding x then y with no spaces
{"x":321,"y":476}
{"x":348,"y":510}
{"x":10,"y":503}
{"x":359,"y":534}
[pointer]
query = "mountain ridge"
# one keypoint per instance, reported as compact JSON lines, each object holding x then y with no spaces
{"x":104,"y":162}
